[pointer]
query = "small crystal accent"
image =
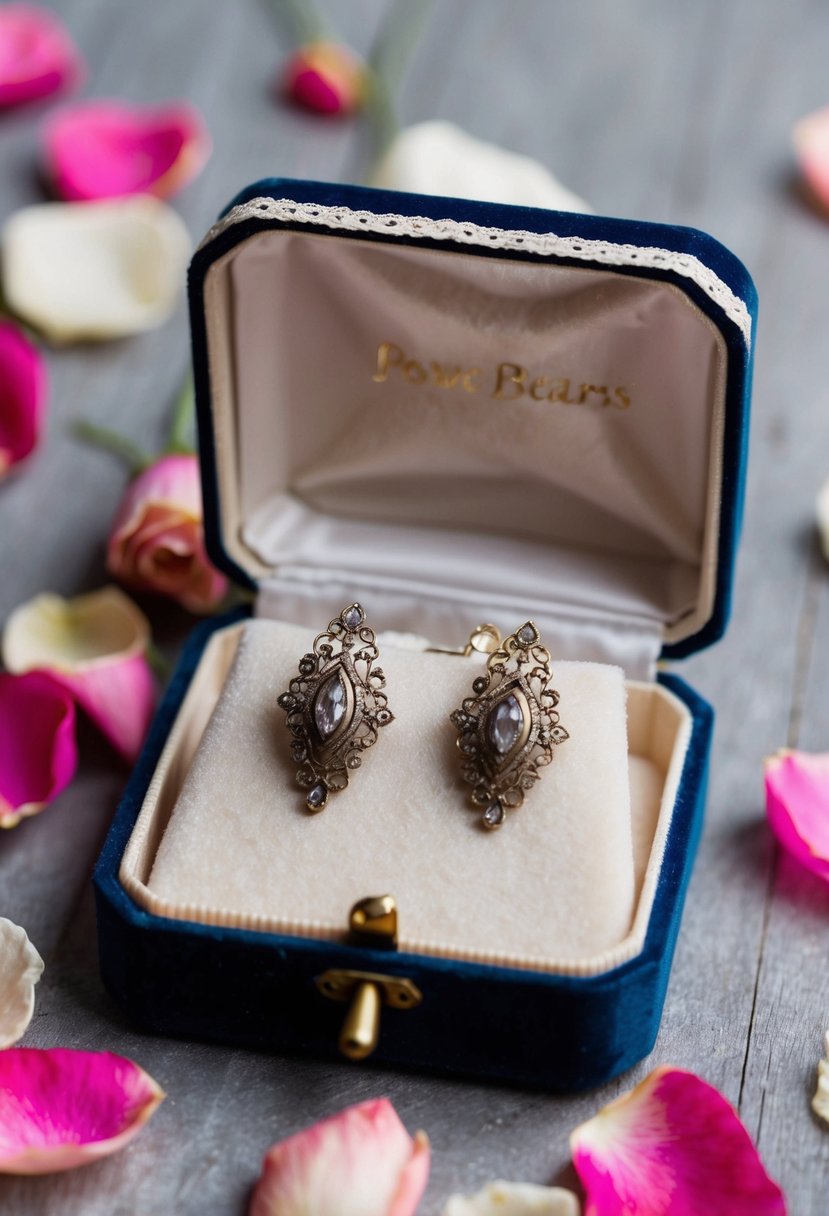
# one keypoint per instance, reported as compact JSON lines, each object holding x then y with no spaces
{"x":353,"y":617}
{"x":494,"y":815}
{"x":329,"y":706}
{"x":505,"y":724}
{"x":317,"y":797}
{"x":527,"y":634}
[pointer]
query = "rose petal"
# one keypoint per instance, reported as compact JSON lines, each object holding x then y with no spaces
{"x":810,"y":137}
{"x":23,"y":392}
{"x":157,"y":538}
{"x":673,"y":1146}
{"x":107,"y":149}
{"x":797,"y":806}
{"x":361,"y":1162}
{"x":60,"y":1109}
{"x":514,"y":1199}
{"x":325,"y":77}
{"x":20,"y":968}
{"x":820,"y":1102}
{"x":37,"y":56}
{"x":95,"y":647}
{"x":440,"y":158}
{"x":38,"y":753}
{"x":94,"y":270}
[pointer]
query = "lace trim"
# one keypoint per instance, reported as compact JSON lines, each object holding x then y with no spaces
{"x":547,"y":244}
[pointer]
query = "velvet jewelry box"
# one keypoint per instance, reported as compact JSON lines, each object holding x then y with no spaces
{"x":453,"y":412}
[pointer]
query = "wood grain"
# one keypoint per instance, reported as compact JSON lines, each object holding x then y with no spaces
{"x":665,"y":111}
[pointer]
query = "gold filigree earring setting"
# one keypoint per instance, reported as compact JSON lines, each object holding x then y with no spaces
{"x":508,"y":729}
{"x":335,"y":706}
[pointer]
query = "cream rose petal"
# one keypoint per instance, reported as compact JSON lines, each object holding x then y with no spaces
{"x":820,"y":1102}
{"x":95,"y":647}
{"x":514,"y":1199}
{"x":440,"y":158}
{"x":97,"y":270}
{"x":20,"y":968}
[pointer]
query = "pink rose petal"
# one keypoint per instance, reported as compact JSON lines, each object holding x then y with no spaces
{"x":60,"y":1109}
{"x":673,"y":1146}
{"x":38,"y":754}
{"x":361,"y":1162}
{"x":23,"y":393}
{"x":95,"y":647}
{"x":37,"y":56}
{"x":157,"y":538}
{"x":797,"y":805}
{"x":108,"y":149}
{"x":325,"y":77}
{"x":811,"y":144}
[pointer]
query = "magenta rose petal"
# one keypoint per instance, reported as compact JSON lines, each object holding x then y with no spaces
{"x":37,"y":56}
{"x":797,"y":806}
{"x":157,"y":539}
{"x":108,"y":149}
{"x":23,"y":394}
{"x":38,"y":753}
{"x":361,"y":1162}
{"x":60,"y":1109}
{"x":95,"y":647}
{"x":673,"y":1146}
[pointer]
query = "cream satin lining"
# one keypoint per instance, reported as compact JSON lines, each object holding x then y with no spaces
{"x":335,"y":462}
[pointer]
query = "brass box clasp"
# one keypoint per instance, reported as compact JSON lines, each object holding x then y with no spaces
{"x":373,"y":923}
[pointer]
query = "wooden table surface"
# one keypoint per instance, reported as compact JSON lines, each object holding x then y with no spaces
{"x":651,"y":109}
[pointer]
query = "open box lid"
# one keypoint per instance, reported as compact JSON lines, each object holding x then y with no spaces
{"x":464,"y":411}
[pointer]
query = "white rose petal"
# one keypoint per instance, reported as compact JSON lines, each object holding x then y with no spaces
{"x":440,"y":158}
{"x":820,"y":1102}
{"x":20,"y":968}
{"x":81,"y":271}
{"x":514,"y":1199}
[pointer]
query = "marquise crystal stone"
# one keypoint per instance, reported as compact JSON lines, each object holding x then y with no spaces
{"x":505,"y":724}
{"x":494,"y":814}
{"x":329,"y":706}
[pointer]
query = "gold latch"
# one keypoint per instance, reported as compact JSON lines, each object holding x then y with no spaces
{"x":372,"y":922}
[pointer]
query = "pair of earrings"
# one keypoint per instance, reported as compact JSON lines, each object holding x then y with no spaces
{"x":507,"y":729}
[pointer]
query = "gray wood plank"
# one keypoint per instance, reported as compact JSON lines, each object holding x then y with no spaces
{"x":666,"y":111}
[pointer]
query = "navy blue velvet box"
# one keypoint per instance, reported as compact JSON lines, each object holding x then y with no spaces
{"x":628,"y":346}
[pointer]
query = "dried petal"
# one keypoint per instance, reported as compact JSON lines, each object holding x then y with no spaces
{"x":157,"y":538}
{"x":108,"y":149}
{"x":673,"y":1146}
{"x":20,"y":968}
{"x":810,"y":137}
{"x":60,"y":1109}
{"x":79,"y":271}
{"x":361,"y":1162}
{"x":37,"y":56}
{"x":797,"y":806}
{"x":325,"y":77}
{"x":820,"y":1102}
{"x":95,"y":647}
{"x":23,"y":392}
{"x":440,"y":158}
{"x":38,"y":753}
{"x":514,"y":1199}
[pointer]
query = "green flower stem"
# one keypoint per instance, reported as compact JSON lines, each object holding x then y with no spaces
{"x":102,"y":437}
{"x":304,"y":19}
{"x":394,"y":45}
{"x":181,"y":424}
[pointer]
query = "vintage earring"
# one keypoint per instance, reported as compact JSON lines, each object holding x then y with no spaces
{"x":507,"y":730}
{"x":335,"y":706}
